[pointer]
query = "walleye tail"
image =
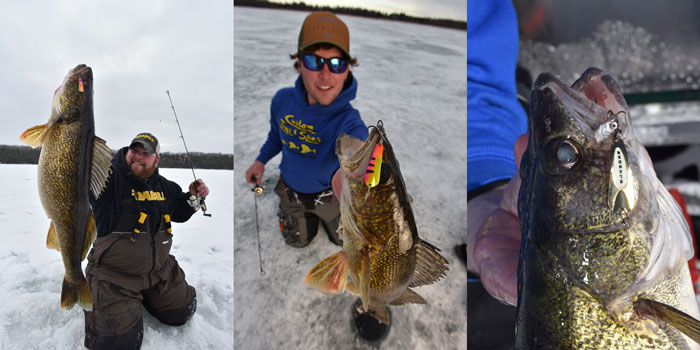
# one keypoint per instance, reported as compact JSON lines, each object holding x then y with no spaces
{"x":330,"y":275}
{"x":680,"y":320}
{"x":430,"y":265}
{"x":35,"y":135}
{"x":73,"y":293}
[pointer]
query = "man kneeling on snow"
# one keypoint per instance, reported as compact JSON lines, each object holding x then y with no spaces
{"x":305,"y":121}
{"x":129,"y":264}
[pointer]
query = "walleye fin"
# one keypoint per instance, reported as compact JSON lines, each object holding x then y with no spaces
{"x":52,"y":239}
{"x":330,"y":275}
{"x":408,"y":297}
{"x":35,"y":135}
{"x":676,"y":318}
{"x":101,"y":167}
{"x":430,"y":265}
{"x":76,"y":293}
{"x":90,"y":234}
{"x":382,"y":315}
{"x":352,"y":288}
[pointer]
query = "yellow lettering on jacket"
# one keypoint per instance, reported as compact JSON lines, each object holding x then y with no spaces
{"x":303,"y":132}
{"x":142,"y":196}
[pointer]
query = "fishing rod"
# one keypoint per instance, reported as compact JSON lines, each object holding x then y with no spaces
{"x":258,"y":191}
{"x":198,"y":198}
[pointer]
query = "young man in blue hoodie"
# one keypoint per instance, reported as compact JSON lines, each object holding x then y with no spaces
{"x":305,"y":121}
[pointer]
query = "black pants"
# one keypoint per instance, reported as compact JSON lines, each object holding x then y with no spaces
{"x":300,"y":213}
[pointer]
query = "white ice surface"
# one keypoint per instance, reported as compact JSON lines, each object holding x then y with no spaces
{"x":410,"y":76}
{"x":31,"y":274}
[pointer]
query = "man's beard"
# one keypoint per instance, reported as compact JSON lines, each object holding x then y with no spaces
{"x":145,"y":172}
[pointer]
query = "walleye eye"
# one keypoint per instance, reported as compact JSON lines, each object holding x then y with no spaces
{"x":567,"y":154}
{"x":561,"y":155}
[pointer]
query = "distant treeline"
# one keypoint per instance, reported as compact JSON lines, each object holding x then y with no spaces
{"x":447,"y":23}
{"x":10,"y":154}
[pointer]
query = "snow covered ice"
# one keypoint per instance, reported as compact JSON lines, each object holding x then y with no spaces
{"x":412,"y":77}
{"x":31,"y":274}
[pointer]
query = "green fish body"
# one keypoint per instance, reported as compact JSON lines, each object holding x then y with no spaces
{"x":600,"y":232}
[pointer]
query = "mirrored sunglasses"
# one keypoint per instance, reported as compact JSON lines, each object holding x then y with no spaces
{"x":315,"y":63}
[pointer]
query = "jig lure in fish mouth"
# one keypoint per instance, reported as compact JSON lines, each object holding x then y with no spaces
{"x":373,"y":172}
{"x":622,"y":186}
{"x":80,"y":85}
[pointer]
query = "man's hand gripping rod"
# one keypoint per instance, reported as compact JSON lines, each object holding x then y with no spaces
{"x":201,"y":200}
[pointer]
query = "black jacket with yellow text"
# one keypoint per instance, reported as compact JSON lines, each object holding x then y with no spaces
{"x":127,"y":194}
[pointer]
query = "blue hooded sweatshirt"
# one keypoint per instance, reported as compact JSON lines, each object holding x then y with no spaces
{"x":306,"y":136}
{"x":495,"y":118}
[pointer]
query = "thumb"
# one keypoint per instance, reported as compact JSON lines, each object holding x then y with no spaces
{"x":519,"y":148}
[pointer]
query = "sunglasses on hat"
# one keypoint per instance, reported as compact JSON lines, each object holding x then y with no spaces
{"x":315,"y":63}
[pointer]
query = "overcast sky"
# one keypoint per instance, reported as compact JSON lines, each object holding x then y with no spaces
{"x":137,"y":50}
{"x":450,"y":9}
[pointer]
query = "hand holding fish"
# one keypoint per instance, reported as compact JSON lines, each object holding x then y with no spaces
{"x":493,"y":235}
{"x":337,"y":184}
{"x":199,"y":188}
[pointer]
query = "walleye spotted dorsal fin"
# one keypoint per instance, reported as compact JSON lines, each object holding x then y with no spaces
{"x":100,"y":170}
{"x":408,"y":297}
{"x":330,"y":276}
{"x":680,"y":320}
{"x":430,"y":265}
{"x":36,"y":135}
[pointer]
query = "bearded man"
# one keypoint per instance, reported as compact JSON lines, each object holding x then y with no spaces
{"x":130,"y":263}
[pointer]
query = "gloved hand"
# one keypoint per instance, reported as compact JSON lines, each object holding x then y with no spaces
{"x":493,"y":235}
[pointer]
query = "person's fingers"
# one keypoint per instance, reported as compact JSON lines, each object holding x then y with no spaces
{"x":509,"y":201}
{"x":337,"y":183}
{"x":497,"y":249}
{"x":519,"y":148}
{"x":478,"y":211}
{"x":249,"y":176}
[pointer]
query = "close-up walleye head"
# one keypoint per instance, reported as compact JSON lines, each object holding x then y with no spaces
{"x":582,"y":155}
{"x":73,"y":93}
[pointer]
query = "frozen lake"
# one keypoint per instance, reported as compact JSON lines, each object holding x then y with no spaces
{"x":30,"y":280}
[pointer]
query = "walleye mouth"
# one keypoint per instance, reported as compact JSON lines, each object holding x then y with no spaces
{"x":376,"y":135}
{"x":592,"y":101}
{"x":80,"y":69}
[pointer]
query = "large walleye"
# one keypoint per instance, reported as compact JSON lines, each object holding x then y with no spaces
{"x":381,"y":248}
{"x":73,"y":161}
{"x":603,"y":261}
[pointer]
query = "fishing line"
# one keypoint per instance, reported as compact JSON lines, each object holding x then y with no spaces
{"x":198,"y":198}
{"x":257,"y":192}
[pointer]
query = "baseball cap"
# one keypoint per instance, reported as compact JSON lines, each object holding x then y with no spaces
{"x":324,"y":27}
{"x":149,"y":142}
